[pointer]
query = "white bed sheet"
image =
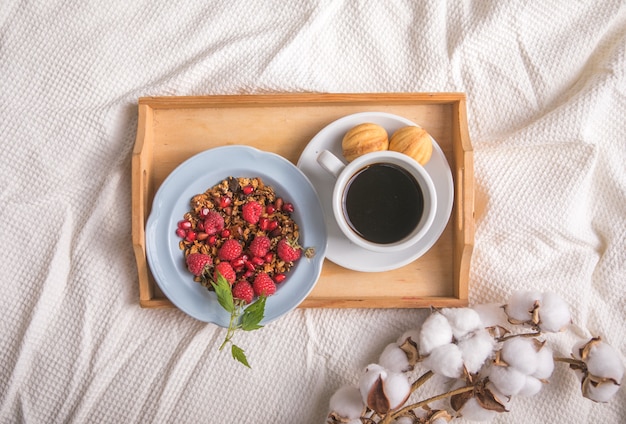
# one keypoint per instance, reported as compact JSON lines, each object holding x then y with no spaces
{"x":546,"y":89}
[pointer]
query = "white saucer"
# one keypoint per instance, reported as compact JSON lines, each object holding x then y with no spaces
{"x":342,"y":251}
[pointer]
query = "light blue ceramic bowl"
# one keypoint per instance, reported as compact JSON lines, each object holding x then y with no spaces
{"x":203,"y":171}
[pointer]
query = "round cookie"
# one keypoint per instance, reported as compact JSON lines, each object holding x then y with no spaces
{"x":362,"y":139}
{"x":414,"y":142}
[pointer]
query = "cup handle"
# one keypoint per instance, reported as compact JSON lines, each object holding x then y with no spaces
{"x":330,"y":163}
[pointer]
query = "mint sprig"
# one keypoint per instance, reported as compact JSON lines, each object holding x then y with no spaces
{"x":250,"y":316}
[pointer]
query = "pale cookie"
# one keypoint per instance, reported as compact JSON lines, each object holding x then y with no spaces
{"x":414,"y":142}
{"x":362,"y":139}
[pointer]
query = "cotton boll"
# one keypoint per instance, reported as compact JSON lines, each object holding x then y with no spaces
{"x":436,"y":331}
{"x":347,"y":402}
{"x":521,"y":354}
{"x":397,"y":389}
{"x":545,"y":363}
{"x":532,"y":386}
{"x":446,"y":360}
{"x":521,"y":304}
{"x":394,"y":359}
{"x":507,"y":380}
{"x":491,"y":314}
{"x":601,"y":393}
{"x":604,"y":370}
{"x":462,"y":320}
{"x":369,"y":378}
{"x":554,"y":313}
{"x":476,"y":349}
{"x":604,"y":362}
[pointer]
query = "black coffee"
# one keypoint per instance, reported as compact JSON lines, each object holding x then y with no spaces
{"x":383,"y":203}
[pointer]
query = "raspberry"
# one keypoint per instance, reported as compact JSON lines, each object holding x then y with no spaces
{"x":260,"y":246}
{"x":252,"y":211}
{"x":197,"y":263}
{"x":213,"y":223}
{"x":227,"y":272}
{"x":288,"y":251}
{"x":263,"y":285}
{"x":243,"y":290}
{"x":230,"y":250}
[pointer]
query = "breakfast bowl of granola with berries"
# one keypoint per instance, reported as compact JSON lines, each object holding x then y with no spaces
{"x":232,"y":227}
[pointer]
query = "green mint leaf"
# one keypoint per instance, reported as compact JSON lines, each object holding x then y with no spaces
{"x":253,"y":315}
{"x":224,"y":294}
{"x":239,"y":355}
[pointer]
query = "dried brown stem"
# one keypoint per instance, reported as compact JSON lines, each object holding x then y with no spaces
{"x":505,"y":338}
{"x":570,"y":361}
{"x":420,"y":381}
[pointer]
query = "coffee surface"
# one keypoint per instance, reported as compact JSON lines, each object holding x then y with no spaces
{"x":383,"y":203}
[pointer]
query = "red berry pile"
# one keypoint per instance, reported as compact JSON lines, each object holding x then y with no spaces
{"x":242,"y":230}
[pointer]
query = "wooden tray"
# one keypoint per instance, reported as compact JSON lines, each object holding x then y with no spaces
{"x":172,"y":129}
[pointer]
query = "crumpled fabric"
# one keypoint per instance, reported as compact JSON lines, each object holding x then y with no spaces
{"x":546,"y":98}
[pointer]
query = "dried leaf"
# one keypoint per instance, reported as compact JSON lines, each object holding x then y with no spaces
{"x":586,"y":349}
{"x":335,"y":418}
{"x":411,"y":350}
{"x":536,"y":319}
{"x":376,"y":398}
{"x":458,"y":401}
{"x":538,"y":345}
{"x":596,"y":381}
{"x":440,"y":414}
{"x":487,"y":400}
{"x":498,"y":361}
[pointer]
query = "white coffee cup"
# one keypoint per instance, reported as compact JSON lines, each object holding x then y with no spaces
{"x":382,"y":201}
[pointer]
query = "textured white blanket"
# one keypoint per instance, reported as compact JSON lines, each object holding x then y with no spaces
{"x":546,"y":88}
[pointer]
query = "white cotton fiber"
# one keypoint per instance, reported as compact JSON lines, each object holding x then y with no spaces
{"x":397,"y":389}
{"x":446,"y":360}
{"x":472,"y":411}
{"x":601,"y":393}
{"x":521,"y":304}
{"x":554,"y":313}
{"x":476,"y":349}
{"x":436,"y":331}
{"x":507,"y":380}
{"x":394,"y":359}
{"x":369,"y":377}
{"x":462,"y":321}
{"x":531,"y":387}
{"x":605,"y":362}
{"x":347,"y":402}
{"x":521,"y":354}
{"x":545,"y":363}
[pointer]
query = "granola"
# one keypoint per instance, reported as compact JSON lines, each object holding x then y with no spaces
{"x":272,"y":218}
